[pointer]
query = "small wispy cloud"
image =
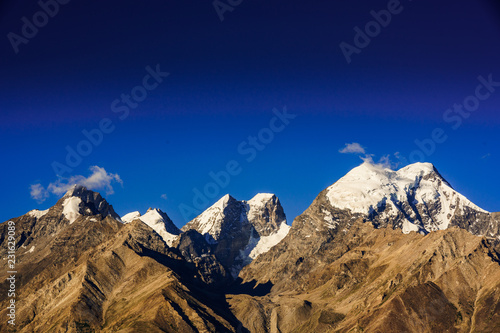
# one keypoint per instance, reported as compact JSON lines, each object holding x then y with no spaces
{"x":99,"y":179}
{"x":352,"y":148}
{"x":38,"y":192}
{"x":486,"y":156}
{"x":385,"y":162}
{"x":164,"y":197}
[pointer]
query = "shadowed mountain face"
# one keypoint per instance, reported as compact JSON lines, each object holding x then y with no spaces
{"x":238,"y":231}
{"x":349,"y":263}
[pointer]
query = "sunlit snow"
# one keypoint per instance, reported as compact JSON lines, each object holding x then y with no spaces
{"x":71,"y":208}
{"x":37,"y":213}
{"x":368,"y":186}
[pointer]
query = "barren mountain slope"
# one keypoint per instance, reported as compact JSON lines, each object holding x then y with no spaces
{"x":385,"y":281}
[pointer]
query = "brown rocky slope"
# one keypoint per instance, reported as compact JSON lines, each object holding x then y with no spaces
{"x":96,"y":274}
{"x":380,"y":280}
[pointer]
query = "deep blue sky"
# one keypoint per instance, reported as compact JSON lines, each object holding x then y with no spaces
{"x":226,"y":78}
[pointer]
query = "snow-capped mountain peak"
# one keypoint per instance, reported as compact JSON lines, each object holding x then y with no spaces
{"x":224,"y":202}
{"x":258,"y":211}
{"x":417,"y":168}
{"x":239,"y":231}
{"x":127,"y":218}
{"x":261,"y":198}
{"x":158,"y":221}
{"x":416,"y":193}
{"x":211,"y":222}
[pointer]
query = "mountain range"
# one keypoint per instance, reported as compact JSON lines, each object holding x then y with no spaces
{"x":378,"y":251}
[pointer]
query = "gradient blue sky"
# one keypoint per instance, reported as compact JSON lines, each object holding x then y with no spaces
{"x":226,"y":78}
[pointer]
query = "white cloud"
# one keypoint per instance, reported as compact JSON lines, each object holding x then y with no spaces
{"x":164,"y":197}
{"x":38,"y":192}
{"x":384,"y":162}
{"x":100,"y":179}
{"x":352,"y":148}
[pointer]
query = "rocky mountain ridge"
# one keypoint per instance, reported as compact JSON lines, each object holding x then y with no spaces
{"x":411,"y":199}
{"x":378,"y":251}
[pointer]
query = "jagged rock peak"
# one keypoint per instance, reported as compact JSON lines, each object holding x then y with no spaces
{"x":262,"y":198}
{"x":78,"y":201}
{"x":239,"y":231}
{"x":265,"y":213}
{"x":80,"y":191}
{"x":224,"y":201}
{"x":260,"y":210}
{"x":159,"y":221}
{"x":210,"y":223}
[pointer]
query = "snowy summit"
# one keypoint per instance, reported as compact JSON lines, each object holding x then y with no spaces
{"x":417,"y":192}
{"x":158,"y":221}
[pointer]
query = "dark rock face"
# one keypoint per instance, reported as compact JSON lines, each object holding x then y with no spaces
{"x":223,"y":218}
{"x":195,"y":249}
{"x":192,"y":244}
{"x":230,"y":232}
{"x":265,"y":213}
{"x":92,"y":202}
